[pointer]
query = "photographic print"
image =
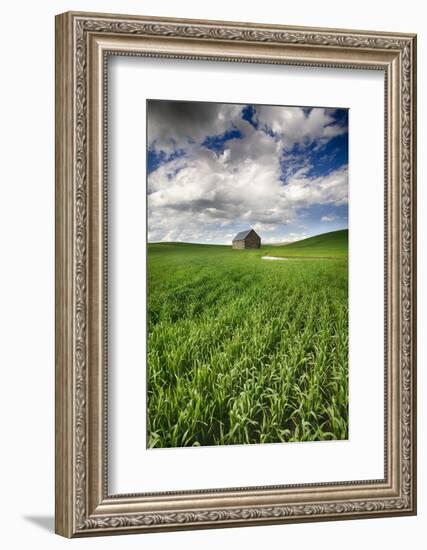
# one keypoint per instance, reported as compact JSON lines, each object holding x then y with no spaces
{"x":247,"y":270}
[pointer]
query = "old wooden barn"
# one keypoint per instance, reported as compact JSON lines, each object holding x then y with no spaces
{"x":247,"y":239}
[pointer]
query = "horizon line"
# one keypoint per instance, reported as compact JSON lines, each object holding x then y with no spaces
{"x":229,"y":243}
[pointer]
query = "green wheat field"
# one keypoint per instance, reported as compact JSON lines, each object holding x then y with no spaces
{"x":243,"y":350}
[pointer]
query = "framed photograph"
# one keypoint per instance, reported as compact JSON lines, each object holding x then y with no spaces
{"x":235,"y":274}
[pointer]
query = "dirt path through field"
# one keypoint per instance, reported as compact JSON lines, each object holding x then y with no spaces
{"x":272,"y":258}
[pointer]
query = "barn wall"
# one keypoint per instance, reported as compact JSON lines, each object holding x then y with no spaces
{"x":252,"y":241}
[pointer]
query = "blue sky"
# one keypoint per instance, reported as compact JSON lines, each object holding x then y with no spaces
{"x":214,"y":169}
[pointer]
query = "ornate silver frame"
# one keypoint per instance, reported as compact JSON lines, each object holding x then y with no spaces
{"x":83,"y":42}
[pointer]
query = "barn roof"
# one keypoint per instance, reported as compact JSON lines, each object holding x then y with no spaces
{"x":242,"y":235}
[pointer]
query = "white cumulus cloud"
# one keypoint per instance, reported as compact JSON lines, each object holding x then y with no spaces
{"x":208,"y":195}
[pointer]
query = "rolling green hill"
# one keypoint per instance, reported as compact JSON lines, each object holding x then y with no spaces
{"x":326,"y":245}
